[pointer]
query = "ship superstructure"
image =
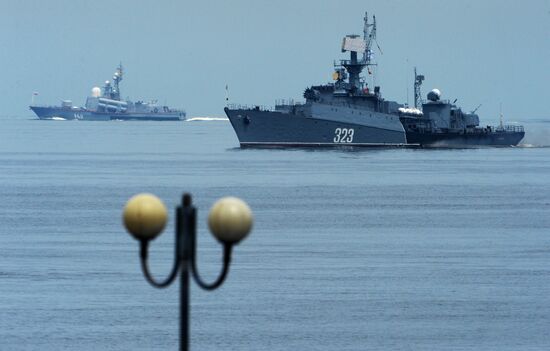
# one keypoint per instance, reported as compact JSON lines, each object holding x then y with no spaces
{"x":350,"y":112}
{"x":442,"y":123}
{"x":106,"y":104}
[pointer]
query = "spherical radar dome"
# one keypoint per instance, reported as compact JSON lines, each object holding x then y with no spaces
{"x":96,"y":92}
{"x":434,"y":95}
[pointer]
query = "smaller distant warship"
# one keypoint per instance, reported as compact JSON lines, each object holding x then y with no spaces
{"x":106,"y":105}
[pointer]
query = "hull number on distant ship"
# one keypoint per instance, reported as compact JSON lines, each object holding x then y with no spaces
{"x":343,"y":135}
{"x":78,"y":116}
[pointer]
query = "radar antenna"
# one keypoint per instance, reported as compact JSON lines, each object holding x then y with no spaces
{"x":357,"y":45}
{"x":418,"y":79}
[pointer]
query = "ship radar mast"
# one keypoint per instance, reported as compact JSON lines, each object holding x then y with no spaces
{"x":117,"y":77}
{"x":418,"y":79}
{"x":354,"y":66}
{"x":369,"y":36}
{"x":501,"y":125}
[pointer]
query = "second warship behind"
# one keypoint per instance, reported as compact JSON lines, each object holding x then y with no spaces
{"x":348,"y":112}
{"x":107,"y":105}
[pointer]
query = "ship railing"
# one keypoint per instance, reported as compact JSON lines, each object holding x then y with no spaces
{"x":510,"y":128}
{"x":66,"y":107}
{"x":249,"y":107}
{"x":287,"y":102}
{"x":344,"y":63}
{"x":178,"y":110}
{"x":44,"y":105}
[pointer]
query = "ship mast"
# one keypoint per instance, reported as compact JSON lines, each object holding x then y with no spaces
{"x":355,"y":44}
{"x":417,"y":93}
{"x":117,"y":77}
{"x":501,"y":124}
{"x":369,"y":36}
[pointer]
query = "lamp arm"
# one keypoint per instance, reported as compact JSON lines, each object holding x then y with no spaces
{"x":223,"y":274}
{"x":144,"y":244}
{"x":191,"y":230}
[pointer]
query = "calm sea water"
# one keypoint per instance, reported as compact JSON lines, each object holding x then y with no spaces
{"x":352,"y":250}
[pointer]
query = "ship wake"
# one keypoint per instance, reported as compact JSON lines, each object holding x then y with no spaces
{"x":195,"y":119}
{"x":531,"y":146}
{"x":537,"y":135}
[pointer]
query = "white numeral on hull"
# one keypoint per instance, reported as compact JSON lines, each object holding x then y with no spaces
{"x":343,"y":135}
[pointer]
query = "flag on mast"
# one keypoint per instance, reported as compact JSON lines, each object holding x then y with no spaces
{"x":226,"y":94}
{"x":34,"y":93}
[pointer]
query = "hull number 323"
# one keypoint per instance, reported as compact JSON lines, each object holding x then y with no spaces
{"x":343,"y":135}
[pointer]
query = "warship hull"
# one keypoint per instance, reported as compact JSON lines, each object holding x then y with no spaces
{"x":257,"y":128}
{"x":52,"y":113}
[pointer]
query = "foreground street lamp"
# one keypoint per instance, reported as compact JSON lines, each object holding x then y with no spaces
{"x":145,"y":216}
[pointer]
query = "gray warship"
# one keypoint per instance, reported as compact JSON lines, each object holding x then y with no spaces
{"x":106,"y":105}
{"x":350,"y":112}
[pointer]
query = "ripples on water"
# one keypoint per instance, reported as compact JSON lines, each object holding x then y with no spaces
{"x":400,"y":249}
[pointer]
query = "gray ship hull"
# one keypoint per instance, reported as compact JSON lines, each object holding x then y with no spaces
{"x":258,"y":128}
{"x":86,"y":115}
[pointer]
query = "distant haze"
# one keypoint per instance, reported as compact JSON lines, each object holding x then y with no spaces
{"x":184,"y":53}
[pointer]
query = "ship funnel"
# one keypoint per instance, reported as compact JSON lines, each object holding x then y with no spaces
{"x":96,"y":92}
{"x":434,"y":95}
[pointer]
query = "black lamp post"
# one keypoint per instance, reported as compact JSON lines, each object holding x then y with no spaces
{"x":145,"y":216}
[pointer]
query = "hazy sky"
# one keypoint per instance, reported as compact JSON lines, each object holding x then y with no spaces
{"x":185,"y":52}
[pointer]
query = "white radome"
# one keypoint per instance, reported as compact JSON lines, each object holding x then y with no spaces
{"x":437,"y":92}
{"x":96,"y":92}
